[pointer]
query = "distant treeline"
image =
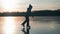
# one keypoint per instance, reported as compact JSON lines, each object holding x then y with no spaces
{"x":34,"y":13}
{"x":46,"y":10}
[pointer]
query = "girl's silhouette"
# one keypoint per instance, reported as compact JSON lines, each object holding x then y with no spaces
{"x":27,"y":16}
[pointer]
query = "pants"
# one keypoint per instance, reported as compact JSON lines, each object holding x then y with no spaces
{"x":26,"y":21}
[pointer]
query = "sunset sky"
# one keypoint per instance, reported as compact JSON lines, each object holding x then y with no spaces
{"x":12,"y":24}
{"x":21,"y":5}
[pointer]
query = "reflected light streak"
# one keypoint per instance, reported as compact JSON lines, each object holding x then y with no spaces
{"x":9,"y":25}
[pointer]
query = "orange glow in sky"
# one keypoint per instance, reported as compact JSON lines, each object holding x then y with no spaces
{"x":21,"y":5}
{"x":9,"y":5}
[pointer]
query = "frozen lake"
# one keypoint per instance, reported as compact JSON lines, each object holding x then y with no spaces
{"x":39,"y":25}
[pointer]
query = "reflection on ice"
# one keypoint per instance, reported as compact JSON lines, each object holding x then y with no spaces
{"x":39,"y":25}
{"x":9,"y":25}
